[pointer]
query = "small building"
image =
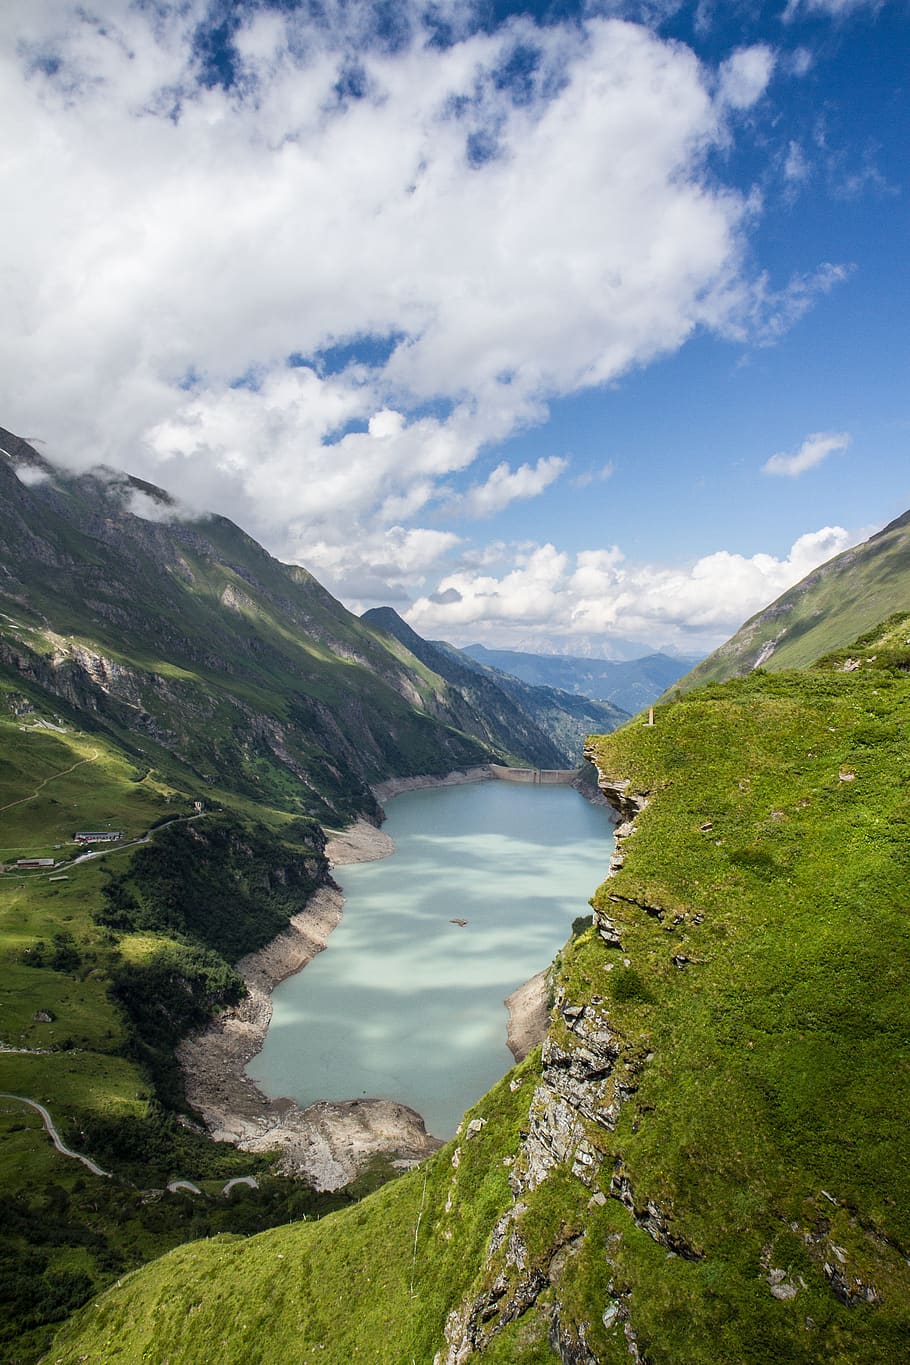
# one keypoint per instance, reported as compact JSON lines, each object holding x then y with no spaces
{"x":98,"y":836}
{"x":34,"y":862}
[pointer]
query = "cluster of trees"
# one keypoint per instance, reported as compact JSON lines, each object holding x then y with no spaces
{"x":61,"y":954}
{"x":215,"y":890}
{"x":103,"y":1230}
{"x":223,"y":882}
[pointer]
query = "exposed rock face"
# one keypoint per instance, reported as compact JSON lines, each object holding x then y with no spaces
{"x":529,"y":1016}
{"x":588,"y":1072}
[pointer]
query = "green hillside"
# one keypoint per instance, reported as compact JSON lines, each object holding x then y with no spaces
{"x":833,"y":605}
{"x":100,"y":972}
{"x":219,"y":666}
{"x":707,"y":1163}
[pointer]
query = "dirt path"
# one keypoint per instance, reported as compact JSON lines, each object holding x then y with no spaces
{"x":52,"y":778}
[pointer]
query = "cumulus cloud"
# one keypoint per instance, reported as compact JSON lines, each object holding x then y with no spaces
{"x":506,"y":485}
{"x":442,"y":248}
{"x":813,"y":450}
{"x":744,"y":76}
{"x":552,"y":600}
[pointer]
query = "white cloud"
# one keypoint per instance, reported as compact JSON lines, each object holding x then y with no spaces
{"x":836,"y":9}
{"x":813,"y":450}
{"x":588,"y":476}
{"x":796,"y":166}
{"x":768,"y":313}
{"x":744,"y":76}
{"x":478,"y":254}
{"x":799,"y":61}
{"x":506,"y":485}
{"x":548,"y":600}
{"x":484,"y":253}
{"x":29,"y":474}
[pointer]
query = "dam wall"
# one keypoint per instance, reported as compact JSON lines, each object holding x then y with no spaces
{"x":551,"y":777}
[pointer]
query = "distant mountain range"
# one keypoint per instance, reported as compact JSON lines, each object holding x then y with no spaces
{"x":832,"y":606}
{"x":565,"y":718}
{"x":630,"y":684}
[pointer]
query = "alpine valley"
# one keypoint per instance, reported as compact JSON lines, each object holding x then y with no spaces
{"x":705,"y":1162}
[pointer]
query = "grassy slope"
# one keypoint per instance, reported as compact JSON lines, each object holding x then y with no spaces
{"x":768,"y":1123}
{"x":372,"y":1284}
{"x":64,"y":1233}
{"x":832,"y":606}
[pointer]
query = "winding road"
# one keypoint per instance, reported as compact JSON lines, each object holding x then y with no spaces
{"x":174,"y":1186}
{"x":55,"y":1137}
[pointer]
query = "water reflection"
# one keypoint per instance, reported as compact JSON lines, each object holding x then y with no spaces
{"x":407,"y":1005}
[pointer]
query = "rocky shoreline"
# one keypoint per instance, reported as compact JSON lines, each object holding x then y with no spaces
{"x":529,"y":1016}
{"x":328,"y":1143}
{"x":396,"y":786}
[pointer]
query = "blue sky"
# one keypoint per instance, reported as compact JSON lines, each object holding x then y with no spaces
{"x":548,"y":325}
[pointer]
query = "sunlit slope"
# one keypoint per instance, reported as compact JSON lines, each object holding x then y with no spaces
{"x":709,"y":1163}
{"x":105,"y":963}
{"x":191,"y":644}
{"x":186,"y":639}
{"x":72,"y":942}
{"x":830,"y":607}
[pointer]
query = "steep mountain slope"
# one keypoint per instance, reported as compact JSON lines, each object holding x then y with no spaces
{"x":833,"y":605}
{"x":631,"y":684}
{"x":561,"y":720}
{"x":707,"y":1162}
{"x":193,"y":647}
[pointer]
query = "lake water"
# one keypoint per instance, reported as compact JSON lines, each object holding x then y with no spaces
{"x":406,"y":1005}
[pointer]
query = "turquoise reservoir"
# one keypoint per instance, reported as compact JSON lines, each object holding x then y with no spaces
{"x":406,"y":1005}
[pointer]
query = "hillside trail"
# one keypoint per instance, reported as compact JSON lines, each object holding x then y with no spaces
{"x":53,"y":777}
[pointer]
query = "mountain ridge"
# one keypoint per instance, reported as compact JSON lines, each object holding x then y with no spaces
{"x":564,"y":718}
{"x":834,"y":604}
{"x":143,"y":622}
{"x":630,"y":684}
